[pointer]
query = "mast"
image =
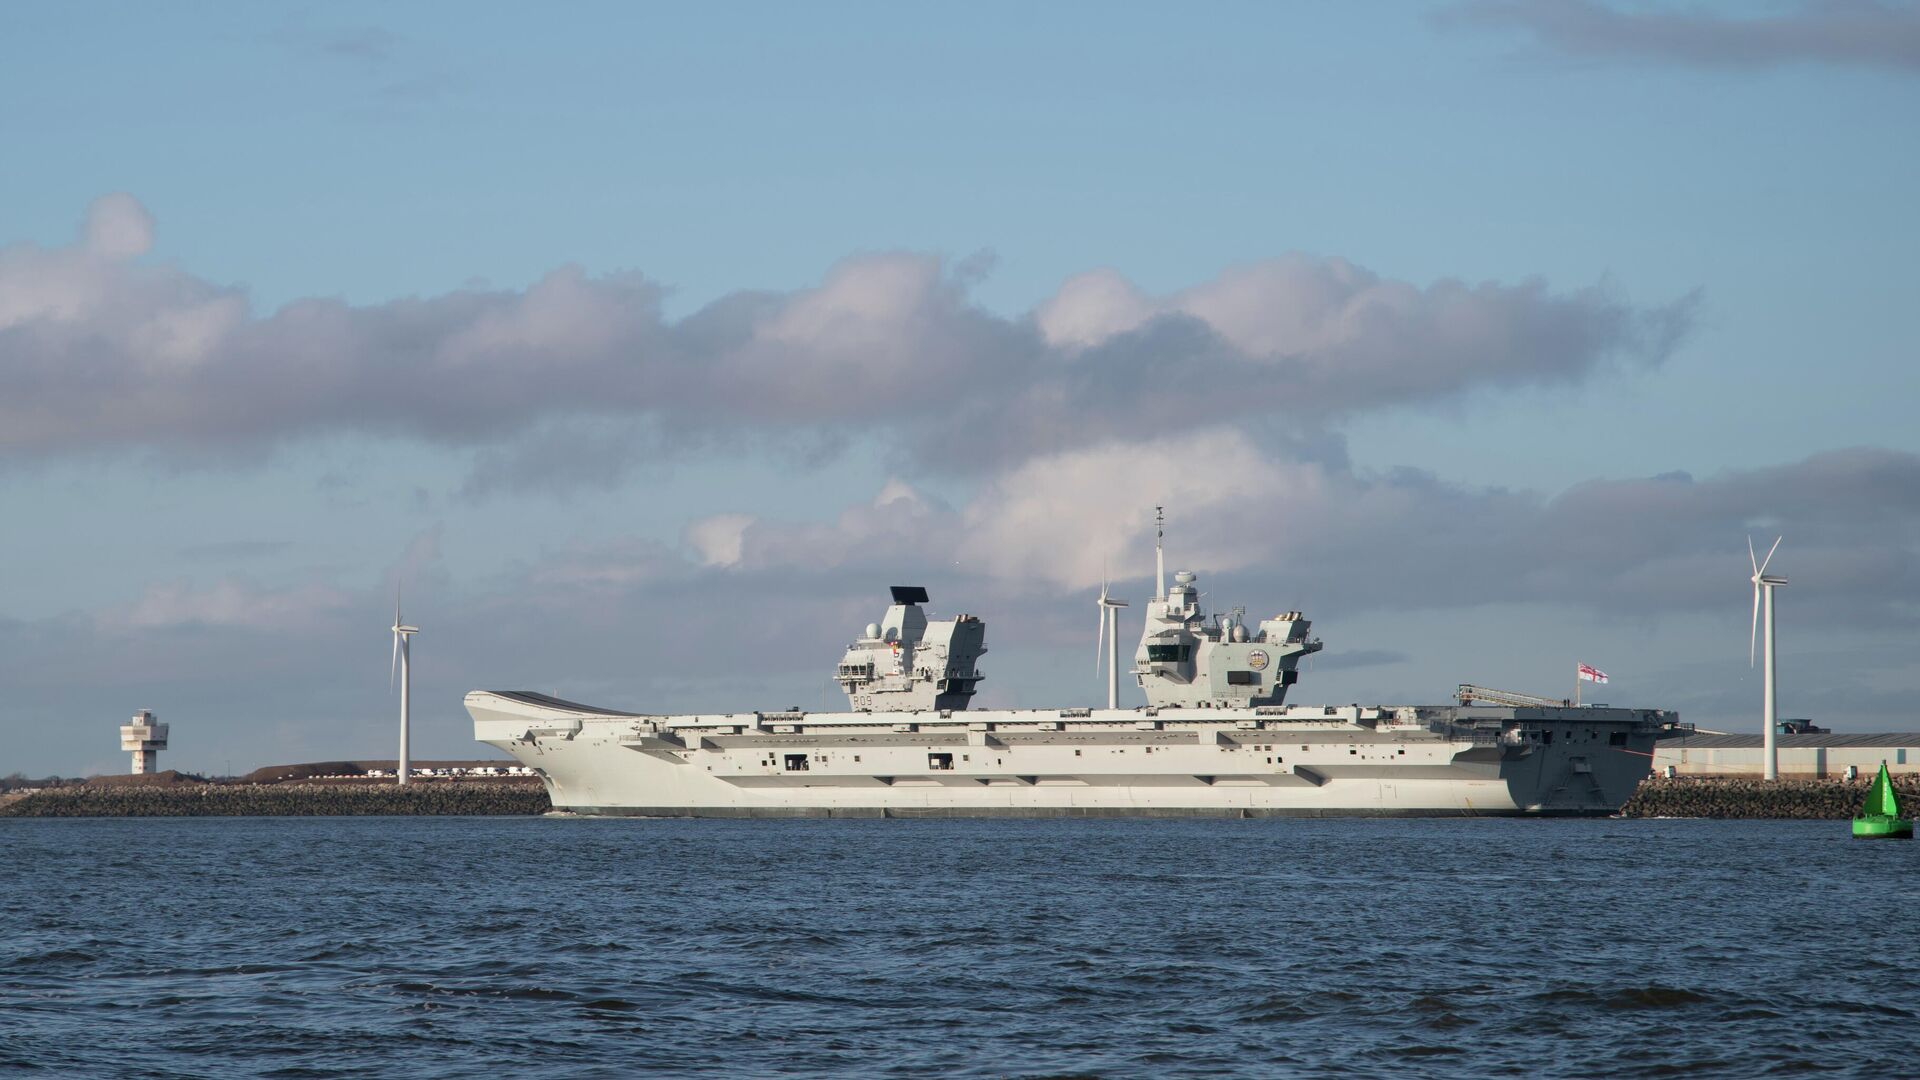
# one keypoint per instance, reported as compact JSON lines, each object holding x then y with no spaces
{"x":1159,"y":552}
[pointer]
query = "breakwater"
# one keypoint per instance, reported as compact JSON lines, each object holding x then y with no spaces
{"x":483,"y":797}
{"x":1698,"y":797}
{"x":1742,"y":797}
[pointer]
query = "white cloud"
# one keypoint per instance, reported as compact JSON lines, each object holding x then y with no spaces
{"x":118,"y":227}
{"x":717,"y":540}
{"x":1848,"y":33}
{"x":226,"y":604}
{"x":1089,"y":308}
{"x":1069,"y":519}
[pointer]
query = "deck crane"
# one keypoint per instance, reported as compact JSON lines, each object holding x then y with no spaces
{"x":1469,"y":693}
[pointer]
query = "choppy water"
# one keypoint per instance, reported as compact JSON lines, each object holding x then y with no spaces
{"x":444,"y":947}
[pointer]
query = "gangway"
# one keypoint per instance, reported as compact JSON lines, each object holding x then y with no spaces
{"x":1469,"y":693}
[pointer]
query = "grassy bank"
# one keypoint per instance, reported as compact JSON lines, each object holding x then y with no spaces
{"x":490,"y":797}
{"x":1729,"y":797}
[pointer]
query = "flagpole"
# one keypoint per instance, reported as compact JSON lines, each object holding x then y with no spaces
{"x":1576,"y":685}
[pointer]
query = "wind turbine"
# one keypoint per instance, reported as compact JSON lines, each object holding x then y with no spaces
{"x":402,"y":641}
{"x":1767,"y":582}
{"x":1109,"y":613}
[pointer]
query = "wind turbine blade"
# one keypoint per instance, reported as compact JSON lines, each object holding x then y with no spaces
{"x":1100,"y":641}
{"x":1770,"y":551}
{"x":1751,"y":558}
{"x":1753,"y":634}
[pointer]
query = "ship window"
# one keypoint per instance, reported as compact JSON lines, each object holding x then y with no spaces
{"x":1617,"y":738}
{"x":856,"y":758}
{"x":1243,"y":678}
{"x":1076,"y":753}
{"x":939,"y":761}
{"x":1163,"y":654}
{"x":796,"y":763}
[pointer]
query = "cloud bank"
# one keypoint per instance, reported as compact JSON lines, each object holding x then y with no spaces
{"x":1281,"y":529}
{"x":102,"y":348}
{"x":631,"y":621}
{"x":1845,"y":33}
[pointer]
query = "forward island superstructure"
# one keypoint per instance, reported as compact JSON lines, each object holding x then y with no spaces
{"x":1215,"y":737}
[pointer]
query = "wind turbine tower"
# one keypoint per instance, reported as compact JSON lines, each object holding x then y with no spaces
{"x":1765,"y":582}
{"x":402,"y":649}
{"x":1110,"y":632}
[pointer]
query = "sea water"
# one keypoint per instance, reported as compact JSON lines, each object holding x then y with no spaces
{"x":576,"y":947}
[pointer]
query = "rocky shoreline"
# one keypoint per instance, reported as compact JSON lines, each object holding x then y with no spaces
{"x":1743,"y":797}
{"x":439,"y":797}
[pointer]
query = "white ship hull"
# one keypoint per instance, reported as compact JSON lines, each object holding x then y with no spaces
{"x":1273,"y":761}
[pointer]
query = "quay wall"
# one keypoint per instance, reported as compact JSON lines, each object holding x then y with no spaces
{"x":1743,"y":797}
{"x":439,"y":797}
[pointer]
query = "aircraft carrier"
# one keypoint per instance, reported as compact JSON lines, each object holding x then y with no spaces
{"x":1215,"y":738}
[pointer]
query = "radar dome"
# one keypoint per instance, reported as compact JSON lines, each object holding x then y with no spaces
{"x":873,"y":630}
{"x":1185,"y":577}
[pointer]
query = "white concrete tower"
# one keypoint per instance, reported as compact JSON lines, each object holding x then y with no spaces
{"x":145,"y":739}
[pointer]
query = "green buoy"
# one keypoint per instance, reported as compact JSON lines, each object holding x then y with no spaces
{"x":1880,"y":817}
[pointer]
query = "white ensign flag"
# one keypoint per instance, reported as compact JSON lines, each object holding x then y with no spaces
{"x":1592,"y":674}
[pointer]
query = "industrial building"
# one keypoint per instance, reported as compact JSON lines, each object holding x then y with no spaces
{"x":1802,"y":757}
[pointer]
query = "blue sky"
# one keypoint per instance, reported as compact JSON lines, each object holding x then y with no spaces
{"x":972,"y":264}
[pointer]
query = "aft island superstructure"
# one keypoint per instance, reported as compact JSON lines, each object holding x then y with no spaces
{"x":1215,"y":737}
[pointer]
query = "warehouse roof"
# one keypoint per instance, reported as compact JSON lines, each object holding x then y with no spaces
{"x":1789,"y":742}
